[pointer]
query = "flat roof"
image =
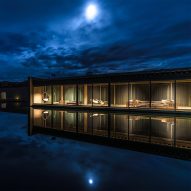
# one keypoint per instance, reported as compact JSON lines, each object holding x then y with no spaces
{"x":163,"y":74}
{"x":13,"y":84}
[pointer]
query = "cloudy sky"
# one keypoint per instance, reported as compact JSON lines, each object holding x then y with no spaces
{"x":54,"y":37}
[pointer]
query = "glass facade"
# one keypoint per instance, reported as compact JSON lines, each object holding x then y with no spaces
{"x":162,"y":94}
{"x":158,"y":95}
{"x":42,"y":95}
{"x":119,"y":95}
{"x":57,"y":94}
{"x":183,"y":94}
{"x":139,"y":95}
{"x":85,"y":94}
{"x":100,"y":95}
{"x":69,"y":94}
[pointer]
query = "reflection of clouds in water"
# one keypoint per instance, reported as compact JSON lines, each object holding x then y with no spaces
{"x":72,"y":164}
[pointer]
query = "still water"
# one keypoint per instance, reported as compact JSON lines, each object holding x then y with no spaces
{"x":32,"y":159}
{"x":172,"y":131}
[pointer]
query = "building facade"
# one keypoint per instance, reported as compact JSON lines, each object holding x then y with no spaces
{"x":14,"y":92}
{"x":157,"y":90}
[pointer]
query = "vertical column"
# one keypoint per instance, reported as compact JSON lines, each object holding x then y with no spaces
{"x":150,"y":93}
{"x":85,"y":94}
{"x":128,"y":127}
{"x":62,"y":121}
{"x":100,"y":98}
{"x":92,"y":94}
{"x":77,"y":100}
{"x":77,"y":122}
{"x":52,"y":96}
{"x":150,"y":126}
{"x":114,"y":132}
{"x":92,"y":123}
{"x":114,"y":95}
{"x":132,"y":92}
{"x":175,"y":95}
{"x":171,"y":91}
{"x":174,"y":131}
{"x":85,"y":122}
{"x":61,"y":94}
{"x":109,"y":124}
{"x":63,"y":118}
{"x":109,"y":94}
{"x":52,"y":118}
{"x":128,"y":97}
{"x":31,"y":93}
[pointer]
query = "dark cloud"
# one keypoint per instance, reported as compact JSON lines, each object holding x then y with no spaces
{"x":43,"y":37}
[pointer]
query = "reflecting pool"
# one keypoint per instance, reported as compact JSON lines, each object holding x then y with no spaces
{"x":171,"y":131}
{"x":33,"y":157}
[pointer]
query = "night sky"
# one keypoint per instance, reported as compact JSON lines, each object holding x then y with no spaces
{"x":45,"y":38}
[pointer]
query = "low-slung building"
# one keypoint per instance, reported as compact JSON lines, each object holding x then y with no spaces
{"x":14,"y":91}
{"x":157,"y":90}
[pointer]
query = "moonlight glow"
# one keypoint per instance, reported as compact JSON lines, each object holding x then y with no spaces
{"x":90,"y":181}
{"x":91,"y":12}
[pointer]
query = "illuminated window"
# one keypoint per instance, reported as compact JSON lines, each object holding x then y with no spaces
{"x":139,"y":95}
{"x":42,"y":95}
{"x":162,"y":94}
{"x":183,"y":94}
{"x":85,"y":94}
{"x":119,"y":95}
{"x":100,"y":95}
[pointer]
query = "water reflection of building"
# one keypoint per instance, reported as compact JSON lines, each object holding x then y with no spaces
{"x":165,"y":90}
{"x":161,"y":130}
{"x":14,"y":107}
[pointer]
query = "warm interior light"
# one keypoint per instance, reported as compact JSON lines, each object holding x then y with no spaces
{"x":37,"y":113}
{"x":37,"y":98}
{"x":45,"y":97}
{"x":45,"y":115}
{"x":17,"y":98}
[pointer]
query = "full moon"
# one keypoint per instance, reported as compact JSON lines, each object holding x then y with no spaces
{"x":90,"y":181}
{"x":91,"y":12}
